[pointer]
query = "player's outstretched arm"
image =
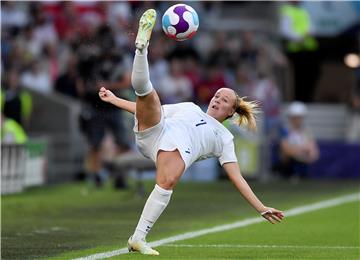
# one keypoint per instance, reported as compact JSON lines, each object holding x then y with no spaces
{"x":107,"y":96}
{"x":233,"y":171}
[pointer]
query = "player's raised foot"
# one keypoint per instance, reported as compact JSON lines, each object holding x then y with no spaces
{"x":141,"y":246}
{"x":146,"y":25}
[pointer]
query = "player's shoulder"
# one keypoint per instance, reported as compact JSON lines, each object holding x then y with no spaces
{"x":221,"y":130}
{"x":182,"y":106}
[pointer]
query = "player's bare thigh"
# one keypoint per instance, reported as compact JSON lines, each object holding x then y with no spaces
{"x":148,"y":110}
{"x":169,"y":169}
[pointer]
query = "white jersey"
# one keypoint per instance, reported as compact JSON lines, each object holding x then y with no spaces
{"x":195,"y":134}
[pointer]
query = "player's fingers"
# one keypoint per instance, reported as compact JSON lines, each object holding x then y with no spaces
{"x":270,"y":219}
{"x":276,"y":218}
{"x":276,"y":211}
{"x":280,"y":215}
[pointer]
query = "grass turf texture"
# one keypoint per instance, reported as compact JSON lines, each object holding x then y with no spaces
{"x":299,"y":237}
{"x":74,"y":220}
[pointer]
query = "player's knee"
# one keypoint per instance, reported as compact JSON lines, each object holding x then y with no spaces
{"x":142,"y":86}
{"x":168,"y":182}
{"x":168,"y":179}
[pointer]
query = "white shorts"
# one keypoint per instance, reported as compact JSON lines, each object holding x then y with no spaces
{"x":158,"y":137}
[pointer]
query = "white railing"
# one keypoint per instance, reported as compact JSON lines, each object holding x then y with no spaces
{"x":13,"y":160}
{"x":22,"y":166}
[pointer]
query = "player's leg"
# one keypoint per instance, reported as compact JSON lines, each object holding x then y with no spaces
{"x":170,"y":167}
{"x":148,"y":106}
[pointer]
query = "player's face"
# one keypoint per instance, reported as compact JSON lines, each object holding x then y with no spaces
{"x":222,"y":104}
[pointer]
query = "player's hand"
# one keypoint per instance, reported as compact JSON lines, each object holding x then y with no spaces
{"x":106,"y":95}
{"x":272,"y":215}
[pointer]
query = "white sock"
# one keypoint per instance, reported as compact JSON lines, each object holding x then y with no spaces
{"x":154,"y":206}
{"x":140,"y":77}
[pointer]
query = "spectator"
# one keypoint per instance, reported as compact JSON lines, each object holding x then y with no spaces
{"x":13,"y":15}
{"x":11,"y":131}
{"x":244,"y":79}
{"x":222,"y":53}
{"x":44,"y":30}
{"x":69,"y":83}
{"x":13,"y":54}
{"x":31,"y":46}
{"x":210,"y":83}
{"x":37,"y":78}
{"x":119,"y":18}
{"x":67,"y":20}
{"x":265,"y":90}
{"x":258,"y":50}
{"x":16,"y":103}
{"x":101,"y":65}
{"x":301,"y":48}
{"x":51,"y":61}
{"x":298,"y":148}
{"x":249,"y":50}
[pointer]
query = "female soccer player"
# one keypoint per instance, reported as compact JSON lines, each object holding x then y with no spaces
{"x":175,"y":136}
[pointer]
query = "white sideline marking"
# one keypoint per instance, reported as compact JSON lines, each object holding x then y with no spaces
{"x":262,"y":246}
{"x":243,"y":223}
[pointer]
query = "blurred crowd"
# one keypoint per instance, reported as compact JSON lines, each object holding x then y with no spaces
{"x":74,"y":48}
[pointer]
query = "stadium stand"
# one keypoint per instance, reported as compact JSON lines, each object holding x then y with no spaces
{"x":329,"y":124}
{"x":326,"y":121}
{"x":56,"y":119}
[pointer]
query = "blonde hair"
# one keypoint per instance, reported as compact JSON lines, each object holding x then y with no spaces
{"x":247,"y":111}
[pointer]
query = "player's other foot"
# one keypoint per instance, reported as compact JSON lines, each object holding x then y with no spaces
{"x":146,"y":24}
{"x":141,"y":246}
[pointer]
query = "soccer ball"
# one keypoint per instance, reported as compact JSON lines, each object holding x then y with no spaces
{"x":180,"y":22}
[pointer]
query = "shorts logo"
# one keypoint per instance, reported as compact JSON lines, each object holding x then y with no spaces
{"x":202,"y":122}
{"x":188,"y":151}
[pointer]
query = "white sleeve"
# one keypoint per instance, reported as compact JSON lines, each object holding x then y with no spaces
{"x":228,"y":153}
{"x":169,"y":110}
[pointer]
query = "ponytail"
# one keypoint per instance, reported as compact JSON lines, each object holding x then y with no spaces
{"x":247,"y":111}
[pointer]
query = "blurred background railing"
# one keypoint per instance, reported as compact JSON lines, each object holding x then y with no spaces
{"x":23,"y":166}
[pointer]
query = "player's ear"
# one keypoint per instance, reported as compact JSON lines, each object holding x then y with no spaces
{"x":231,"y":112}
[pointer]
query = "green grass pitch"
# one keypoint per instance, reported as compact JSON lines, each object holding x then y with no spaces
{"x":76,"y":220}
